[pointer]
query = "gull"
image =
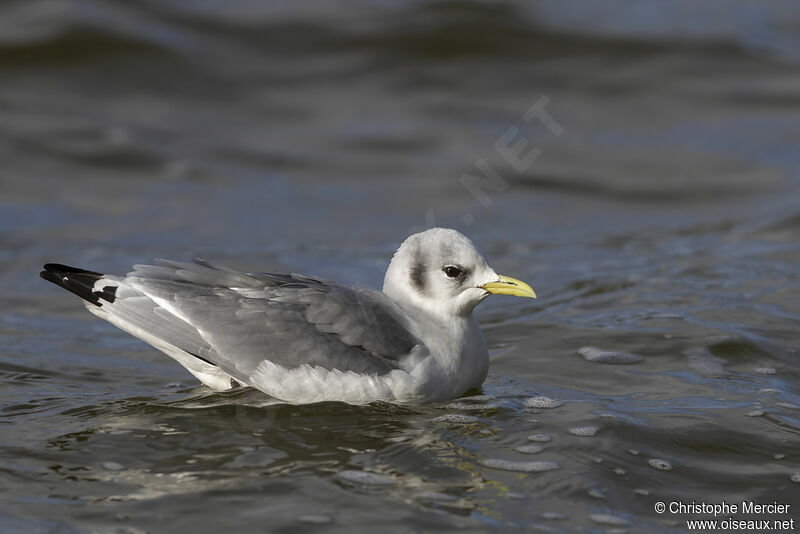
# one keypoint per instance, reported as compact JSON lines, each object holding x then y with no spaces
{"x":303,"y":340}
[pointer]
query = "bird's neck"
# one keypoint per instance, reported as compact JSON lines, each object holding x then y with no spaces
{"x":461,"y":355}
{"x":457,"y":348}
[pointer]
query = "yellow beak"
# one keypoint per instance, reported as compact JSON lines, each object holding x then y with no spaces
{"x":509,"y":286}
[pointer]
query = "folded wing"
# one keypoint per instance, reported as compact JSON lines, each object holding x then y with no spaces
{"x":237,"y":320}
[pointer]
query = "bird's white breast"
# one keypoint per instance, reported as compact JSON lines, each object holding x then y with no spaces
{"x":458,"y":361}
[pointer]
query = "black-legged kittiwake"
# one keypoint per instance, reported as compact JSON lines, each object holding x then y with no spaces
{"x":301,"y":339}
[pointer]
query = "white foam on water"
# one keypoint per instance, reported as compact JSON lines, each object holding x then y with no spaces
{"x":366,"y":478}
{"x":526,"y":467}
{"x":539,"y":437}
{"x":608,"y":519}
{"x":529,"y":449}
{"x":585,"y":431}
{"x":593,"y":354}
{"x":542,"y":402}
{"x":112,"y":466}
{"x":474,"y":406}
{"x":456,"y":418}
{"x":661,"y":465}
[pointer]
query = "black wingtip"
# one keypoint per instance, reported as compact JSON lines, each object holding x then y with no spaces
{"x":49,"y":276}
{"x":78,"y":281}
{"x":66,"y":269}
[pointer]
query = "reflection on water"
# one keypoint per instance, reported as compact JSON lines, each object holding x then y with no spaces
{"x":660,"y":230}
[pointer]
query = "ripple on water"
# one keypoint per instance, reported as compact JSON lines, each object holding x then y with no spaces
{"x":596,"y":493}
{"x":592,"y":354}
{"x":527,"y":467}
{"x":542,"y":402}
{"x":456,"y":418}
{"x":112,"y":466}
{"x":608,"y":519}
{"x":585,"y":431}
{"x":474,"y":406}
{"x":704,"y":363}
{"x":365,"y":478}
{"x":315,"y":519}
{"x":539,"y":437}
{"x":480,"y":398}
{"x":436,"y":496}
{"x":661,"y":465}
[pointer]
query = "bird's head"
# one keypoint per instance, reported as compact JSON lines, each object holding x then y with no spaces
{"x":441,"y":271}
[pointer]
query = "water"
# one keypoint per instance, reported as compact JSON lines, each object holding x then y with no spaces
{"x":659,"y":225}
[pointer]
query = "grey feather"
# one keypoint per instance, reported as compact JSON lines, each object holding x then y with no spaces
{"x":237,"y":320}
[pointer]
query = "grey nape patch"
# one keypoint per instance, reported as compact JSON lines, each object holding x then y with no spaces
{"x":417,"y":272}
{"x":418,"y":278}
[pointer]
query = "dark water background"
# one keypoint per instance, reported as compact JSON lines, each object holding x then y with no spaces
{"x":663,"y":221}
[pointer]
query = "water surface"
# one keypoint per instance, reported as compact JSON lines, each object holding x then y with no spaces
{"x":662,"y":224}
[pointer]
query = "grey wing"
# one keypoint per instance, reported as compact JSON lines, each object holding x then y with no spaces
{"x":236,"y":320}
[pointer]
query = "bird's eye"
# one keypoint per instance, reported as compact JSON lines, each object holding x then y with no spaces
{"x":452,"y":271}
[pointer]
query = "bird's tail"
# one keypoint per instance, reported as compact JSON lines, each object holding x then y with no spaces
{"x":79,"y":281}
